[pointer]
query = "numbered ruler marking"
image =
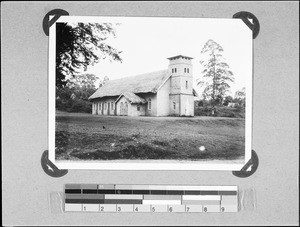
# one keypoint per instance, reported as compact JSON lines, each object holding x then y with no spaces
{"x":193,"y":208}
{"x":141,"y":208}
{"x":176,"y":208}
{"x":125,"y":207}
{"x":108,"y":207}
{"x":158,"y":208}
{"x":150,"y":198}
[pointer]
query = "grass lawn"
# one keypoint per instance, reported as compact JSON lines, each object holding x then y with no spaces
{"x":82,"y":136}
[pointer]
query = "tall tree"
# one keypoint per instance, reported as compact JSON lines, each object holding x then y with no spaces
{"x":81,"y":45}
{"x":216,"y":71}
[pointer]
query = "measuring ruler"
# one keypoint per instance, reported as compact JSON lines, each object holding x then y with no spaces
{"x":150,"y":198}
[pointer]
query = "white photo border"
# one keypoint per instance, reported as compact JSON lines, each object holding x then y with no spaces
{"x":132,"y":165}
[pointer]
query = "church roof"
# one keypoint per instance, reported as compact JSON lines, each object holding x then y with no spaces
{"x":180,"y":56}
{"x":132,"y":98}
{"x":143,"y":83}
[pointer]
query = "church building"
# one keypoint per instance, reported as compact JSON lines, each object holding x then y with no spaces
{"x":161,"y":93}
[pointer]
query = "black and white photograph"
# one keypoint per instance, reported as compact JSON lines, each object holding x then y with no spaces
{"x":150,"y":93}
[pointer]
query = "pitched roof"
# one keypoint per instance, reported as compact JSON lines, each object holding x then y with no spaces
{"x":132,"y":98}
{"x":143,"y":83}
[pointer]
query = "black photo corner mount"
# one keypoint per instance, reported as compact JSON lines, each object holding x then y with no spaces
{"x":253,"y":163}
{"x":51,"y":169}
{"x":48,"y":23}
{"x":246,"y":17}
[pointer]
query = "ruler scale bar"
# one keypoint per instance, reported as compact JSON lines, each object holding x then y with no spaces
{"x":150,"y":198}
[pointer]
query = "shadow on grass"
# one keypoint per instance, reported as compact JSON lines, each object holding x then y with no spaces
{"x":140,"y":152}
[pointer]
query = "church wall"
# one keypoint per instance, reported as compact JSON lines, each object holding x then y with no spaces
{"x":100,"y":106}
{"x":187,"y":105}
{"x":108,"y":110}
{"x":175,"y":82}
{"x":189,"y":88}
{"x":174,"y":105}
{"x":153,"y":97}
{"x":134,"y":112}
{"x":163,"y":99}
{"x":93,"y":108}
{"x":118,"y":106}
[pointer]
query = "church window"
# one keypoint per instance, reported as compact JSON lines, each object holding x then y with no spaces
{"x":174,"y":105}
{"x":188,"y":70}
{"x":149,"y":104}
{"x":172,"y":70}
{"x":186,"y":84}
{"x":185,"y":70}
{"x":175,"y":70}
{"x":138,"y":107}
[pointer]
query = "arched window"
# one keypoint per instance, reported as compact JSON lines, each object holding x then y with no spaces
{"x":188,"y":70}
{"x":149,"y":104}
{"x":186,"y":84}
{"x":185,"y":70}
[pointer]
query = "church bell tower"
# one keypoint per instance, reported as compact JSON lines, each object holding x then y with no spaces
{"x":181,"y":90}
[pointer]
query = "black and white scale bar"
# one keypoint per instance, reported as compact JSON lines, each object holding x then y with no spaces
{"x":150,"y":198}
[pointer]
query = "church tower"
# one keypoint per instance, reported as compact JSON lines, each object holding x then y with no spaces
{"x":181,"y":90}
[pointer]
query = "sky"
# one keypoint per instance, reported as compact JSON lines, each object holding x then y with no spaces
{"x":146,"y":43}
